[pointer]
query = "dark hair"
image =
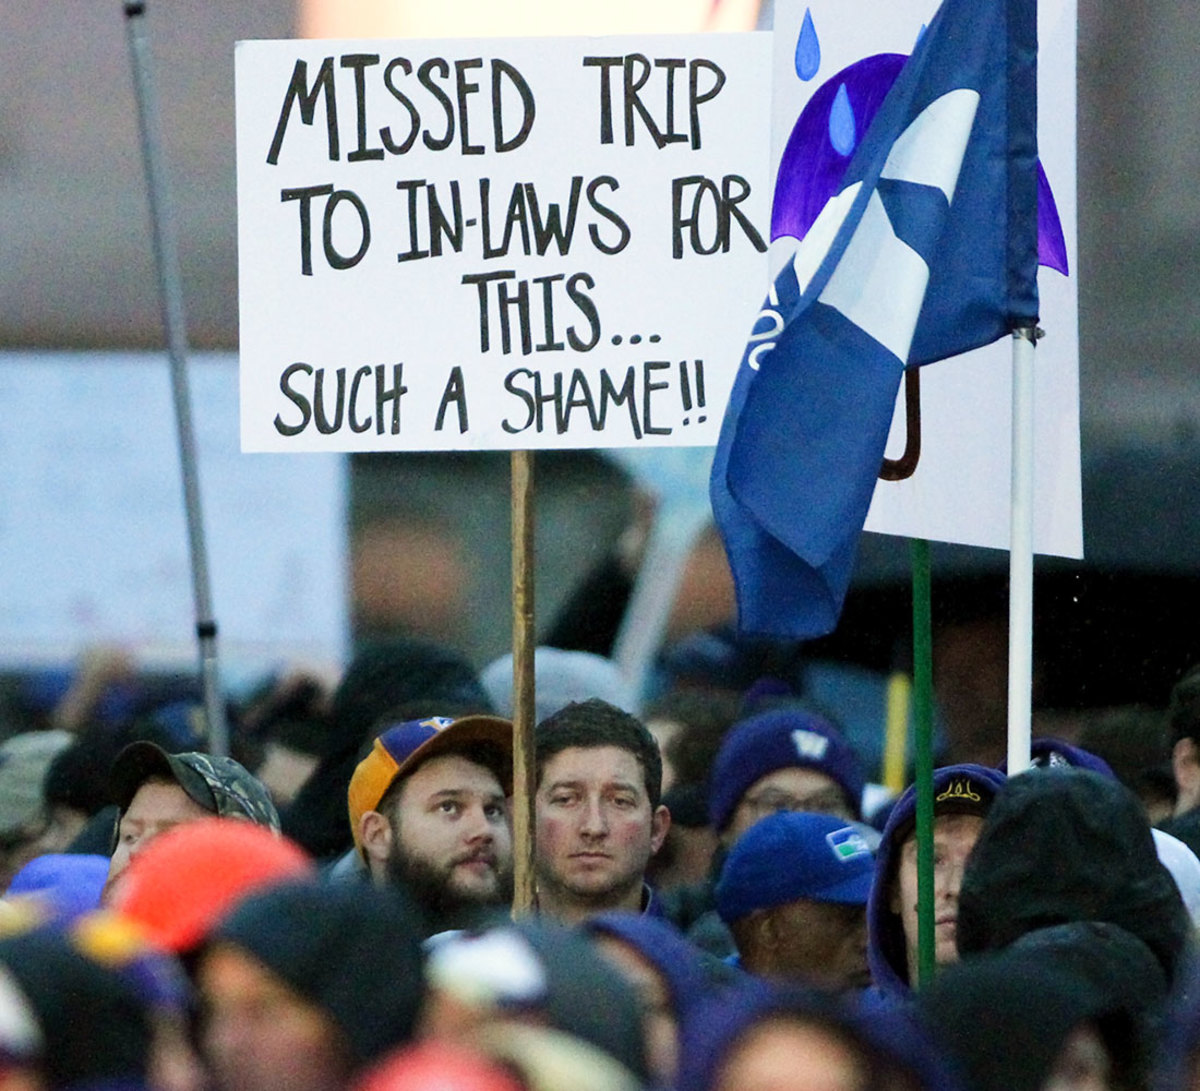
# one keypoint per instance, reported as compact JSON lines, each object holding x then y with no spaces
{"x":705,"y":717}
{"x":594,"y":723}
{"x":1134,"y":740}
{"x":1183,"y":711}
{"x":389,"y":676}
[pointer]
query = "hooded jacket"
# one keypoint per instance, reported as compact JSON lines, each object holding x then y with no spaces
{"x":886,"y":950}
{"x":1063,"y":845}
{"x":1003,"y":1017}
{"x":691,"y":974}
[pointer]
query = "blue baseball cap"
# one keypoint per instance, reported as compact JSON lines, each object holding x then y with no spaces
{"x":795,"y":855}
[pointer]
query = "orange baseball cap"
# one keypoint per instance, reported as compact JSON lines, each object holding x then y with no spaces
{"x":401,"y":748}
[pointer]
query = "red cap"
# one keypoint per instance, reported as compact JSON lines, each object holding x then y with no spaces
{"x":188,"y":878}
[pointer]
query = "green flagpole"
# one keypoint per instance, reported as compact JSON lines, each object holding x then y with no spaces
{"x":923,"y":709}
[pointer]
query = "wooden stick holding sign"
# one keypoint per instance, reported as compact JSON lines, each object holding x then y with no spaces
{"x":524,"y":642}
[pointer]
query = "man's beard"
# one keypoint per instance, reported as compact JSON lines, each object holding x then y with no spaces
{"x":443,"y":905}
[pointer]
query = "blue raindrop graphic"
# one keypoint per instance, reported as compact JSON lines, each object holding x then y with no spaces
{"x":808,"y":49}
{"x":842,"y":130}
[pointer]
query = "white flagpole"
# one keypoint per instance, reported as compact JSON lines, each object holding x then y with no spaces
{"x":1020,"y":558}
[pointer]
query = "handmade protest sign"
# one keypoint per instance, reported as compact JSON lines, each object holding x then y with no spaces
{"x":497,"y":244}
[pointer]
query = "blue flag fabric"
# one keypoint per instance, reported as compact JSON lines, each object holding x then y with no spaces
{"x":928,"y":249}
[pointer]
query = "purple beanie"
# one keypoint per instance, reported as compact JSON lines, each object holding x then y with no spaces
{"x":891,"y":1037}
{"x":780,"y":739}
{"x":1050,"y":753}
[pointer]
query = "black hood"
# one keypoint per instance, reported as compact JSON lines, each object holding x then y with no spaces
{"x":1003,"y":1017}
{"x":1064,"y":845}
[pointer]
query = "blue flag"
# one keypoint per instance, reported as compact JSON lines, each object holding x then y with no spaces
{"x":928,"y":249}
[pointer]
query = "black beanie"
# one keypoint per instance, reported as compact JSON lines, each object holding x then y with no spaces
{"x":353,"y":950}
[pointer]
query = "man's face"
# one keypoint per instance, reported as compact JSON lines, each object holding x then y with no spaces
{"x":451,"y":844}
{"x":157,"y":806}
{"x":821,"y":943}
{"x":595,"y":828}
{"x":790,"y":789}
{"x":258,"y":1032}
{"x":954,"y":835}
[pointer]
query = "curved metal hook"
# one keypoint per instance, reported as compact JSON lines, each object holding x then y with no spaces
{"x":897,"y":469}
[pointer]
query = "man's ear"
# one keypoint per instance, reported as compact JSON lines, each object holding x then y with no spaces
{"x":375,"y":834}
{"x":1185,"y":763}
{"x":660,"y":822}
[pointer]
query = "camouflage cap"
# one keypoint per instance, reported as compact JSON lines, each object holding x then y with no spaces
{"x":218,"y":784}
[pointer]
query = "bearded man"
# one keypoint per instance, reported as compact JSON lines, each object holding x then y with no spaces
{"x":429,"y":812}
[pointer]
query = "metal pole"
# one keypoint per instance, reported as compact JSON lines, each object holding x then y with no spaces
{"x":1020,"y":557}
{"x":171,"y":295}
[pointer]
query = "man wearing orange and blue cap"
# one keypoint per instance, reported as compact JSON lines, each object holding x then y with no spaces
{"x":428,"y":810}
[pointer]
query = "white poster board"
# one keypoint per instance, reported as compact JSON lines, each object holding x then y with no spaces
{"x":961,"y":488}
{"x":93,"y":534}
{"x":498,"y":244}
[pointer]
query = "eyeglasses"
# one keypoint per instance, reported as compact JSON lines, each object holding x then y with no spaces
{"x":771,"y":800}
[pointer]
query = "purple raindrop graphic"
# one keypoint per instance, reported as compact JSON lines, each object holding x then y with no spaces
{"x":808,"y":49}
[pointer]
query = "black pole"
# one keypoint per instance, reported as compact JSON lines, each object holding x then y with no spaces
{"x":171,"y":294}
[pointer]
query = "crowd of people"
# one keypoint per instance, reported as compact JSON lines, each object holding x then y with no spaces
{"x":721,"y":896}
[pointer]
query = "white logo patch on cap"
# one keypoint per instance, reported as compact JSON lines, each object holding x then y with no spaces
{"x":810,"y":745}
